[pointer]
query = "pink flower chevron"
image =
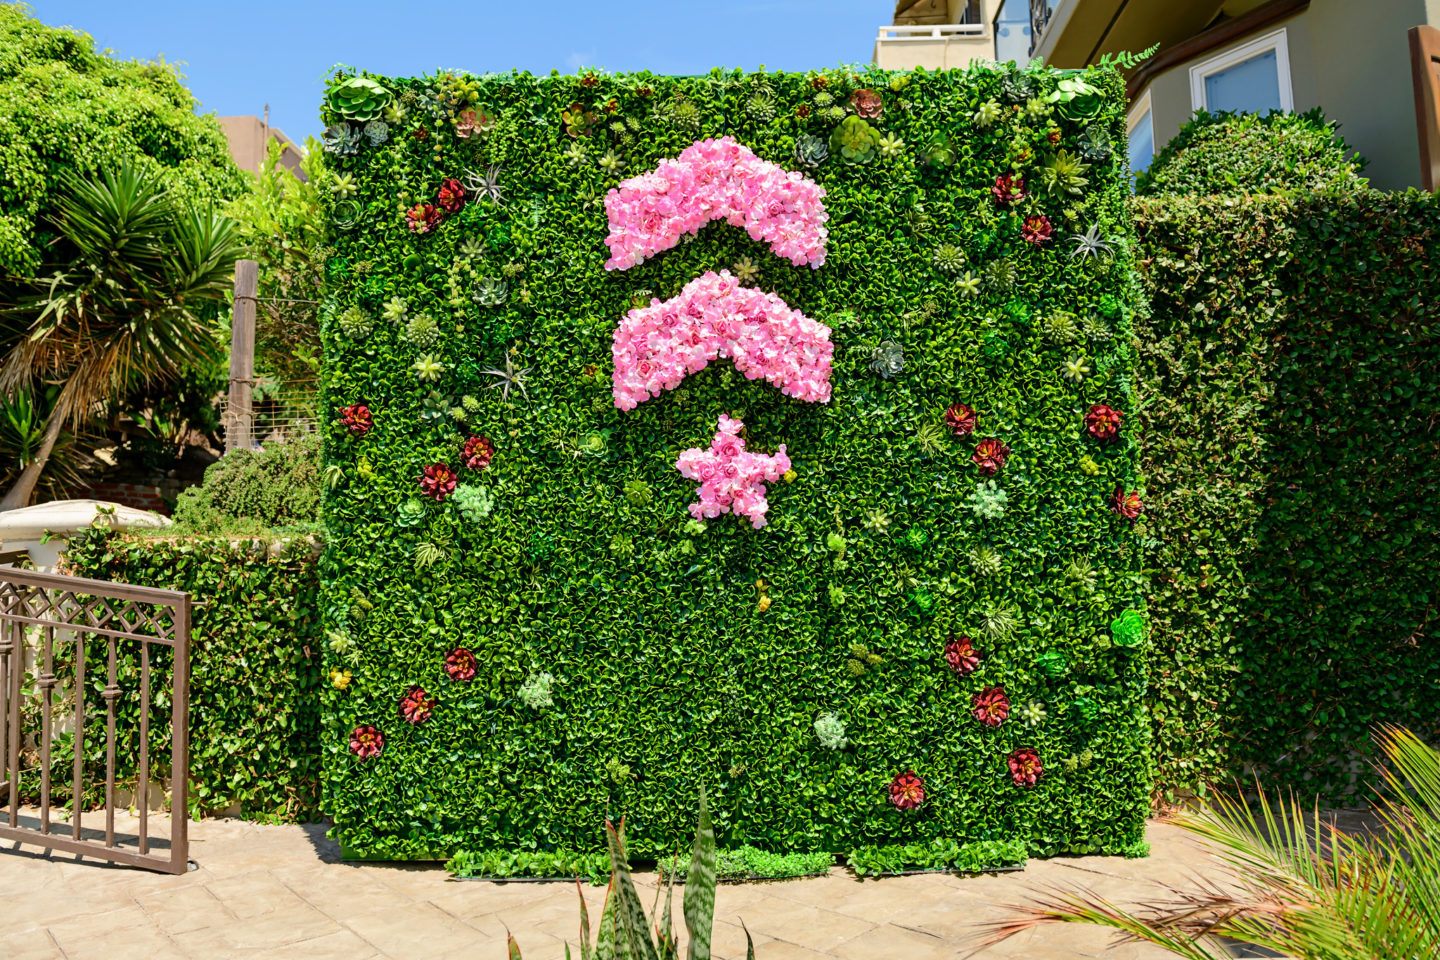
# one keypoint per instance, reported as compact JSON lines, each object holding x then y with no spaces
{"x":658,"y":346}
{"x":732,"y":479}
{"x":716,"y":180}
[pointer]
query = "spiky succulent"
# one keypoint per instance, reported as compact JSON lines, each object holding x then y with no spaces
{"x":486,"y":185}
{"x":611,"y":162}
{"x":1090,"y":244}
{"x":891,"y":145}
{"x":968,"y":285}
{"x":1063,"y":173}
{"x":355,"y":323}
{"x":1062,"y":327}
{"x":429,"y":369}
{"x":761,"y":105}
{"x":422,"y":332}
{"x":986,"y":114}
{"x":745,"y":270}
{"x":830,"y":731}
{"x":824,"y":99}
{"x":341,"y":139}
{"x":887,"y":359}
{"x":949,"y":258}
{"x":986,"y":562}
{"x":1076,"y":369}
{"x":998,"y":623}
{"x":1001,"y":275}
{"x":988,"y":500}
{"x":930,"y":437}
{"x":1080,"y":573}
{"x":428,"y":555}
{"x":357,"y":98}
{"x":855,"y":141}
{"x":684,"y":113}
{"x":507,"y":378}
{"x":393,"y":311}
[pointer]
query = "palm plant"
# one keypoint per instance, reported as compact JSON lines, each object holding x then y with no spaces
{"x":121,"y":301}
{"x":626,"y":933}
{"x":1298,"y":886}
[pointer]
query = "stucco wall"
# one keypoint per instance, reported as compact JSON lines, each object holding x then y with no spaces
{"x":1354,"y":63}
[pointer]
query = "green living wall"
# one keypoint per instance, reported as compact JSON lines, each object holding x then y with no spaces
{"x":934,"y":639}
{"x":1289,"y":397}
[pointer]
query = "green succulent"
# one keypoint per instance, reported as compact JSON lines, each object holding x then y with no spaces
{"x":761,"y":105}
{"x":855,"y":140}
{"x":824,"y":99}
{"x":1001,"y":275}
{"x":1053,"y":663}
{"x":1081,"y":574}
{"x":473,"y":503}
{"x":998,"y":623}
{"x":1062,"y":327}
{"x":1077,"y":100}
{"x":470,"y":404}
{"x":887,"y":359}
{"x":393,"y":310}
{"x":429,"y":555}
{"x":575,"y":153}
{"x":891,"y":145}
{"x":536,"y":693}
{"x":811,"y":150}
{"x":987,"y":114}
{"x":1084,"y":711}
{"x":355,"y":323}
{"x":986,"y":562}
{"x":684,"y":113}
{"x":1031,"y":714}
{"x":831,"y":114}
{"x":1128,"y":629}
{"x":611,"y":162}
{"x":915,"y":538}
{"x":968,"y":285}
{"x":1095,"y":144}
{"x":637,"y":493}
{"x":341,"y":139}
{"x":422,"y":331}
{"x":931,"y":437}
{"x":1037,"y":107}
{"x":861,"y":660}
{"x":1063,"y":173}
{"x":939,"y":152}
{"x":988,"y":500}
{"x":1017,"y":87}
{"x":949,"y":258}
{"x":830,"y":731}
{"x":411,"y":513}
{"x":1076,"y":369}
{"x":490,"y":292}
{"x":745,"y":271}
{"x":358,"y":98}
{"x":429,"y":369}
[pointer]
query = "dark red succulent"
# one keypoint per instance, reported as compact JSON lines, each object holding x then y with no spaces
{"x":1103,"y":422}
{"x":1025,"y":767}
{"x":421,"y":133}
{"x":451,"y":196}
{"x":357,"y":419}
{"x":960,"y":653}
{"x":802,"y":111}
{"x":1009,"y":189}
{"x":1127,"y":503}
{"x":990,"y":455}
{"x":437,"y":481}
{"x":991,"y":706}
{"x":477,"y":453}
{"x":589,"y":80}
{"x":423,"y":217}
{"x":366,"y":742}
{"x":1037,"y":229}
{"x":907,"y":790}
{"x":819,"y":81}
{"x":867,"y":103}
{"x":416,"y":706}
{"x":960,"y":418}
{"x":1053,"y":136}
{"x":460,"y":665}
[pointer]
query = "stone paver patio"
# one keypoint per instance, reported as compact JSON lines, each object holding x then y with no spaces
{"x":280,"y":891}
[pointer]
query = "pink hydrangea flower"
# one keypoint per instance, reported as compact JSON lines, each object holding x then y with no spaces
{"x":732,"y":479}
{"x":656,"y":347}
{"x":716,"y":180}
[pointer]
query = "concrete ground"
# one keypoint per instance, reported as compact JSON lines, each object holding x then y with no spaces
{"x":281,"y":891}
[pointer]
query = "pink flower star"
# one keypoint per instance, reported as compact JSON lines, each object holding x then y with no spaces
{"x":732,"y":480}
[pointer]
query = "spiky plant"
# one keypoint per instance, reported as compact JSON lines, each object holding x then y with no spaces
{"x":998,"y":624}
{"x":625,"y":932}
{"x":1064,"y":173}
{"x":507,"y":378}
{"x":422,"y":332}
{"x":949,"y":258}
{"x":1090,"y":244}
{"x":1298,"y":886}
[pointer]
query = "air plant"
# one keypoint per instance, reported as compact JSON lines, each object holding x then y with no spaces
{"x":999,"y":623}
{"x":485,"y":185}
{"x":1090,"y":244}
{"x":509,"y":378}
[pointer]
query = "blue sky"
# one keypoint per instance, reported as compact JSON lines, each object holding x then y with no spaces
{"x":237,"y":57}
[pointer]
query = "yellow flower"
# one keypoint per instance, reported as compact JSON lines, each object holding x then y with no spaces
{"x":764,"y":603}
{"x":789,"y":476}
{"x":340,"y":679}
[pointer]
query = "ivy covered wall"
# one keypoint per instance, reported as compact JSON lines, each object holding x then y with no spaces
{"x":932,"y":637}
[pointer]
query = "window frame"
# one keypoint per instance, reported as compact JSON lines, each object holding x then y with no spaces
{"x":1138,"y":110}
{"x":1277,"y":40}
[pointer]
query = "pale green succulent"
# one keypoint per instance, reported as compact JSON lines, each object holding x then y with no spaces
{"x":887,"y":359}
{"x":830,"y":731}
{"x":854,"y":140}
{"x":986,"y":562}
{"x":949,"y":258}
{"x":535,"y":692}
{"x":355,"y":323}
{"x":1062,"y":327}
{"x":411,"y":513}
{"x":968,"y":285}
{"x":1036,"y":107}
{"x":422,"y":331}
{"x":988,"y":500}
{"x":1032,"y":713}
{"x":637,"y":493}
{"x":987,"y":114}
{"x":358,"y":98}
{"x":490,"y":292}
{"x":473,"y":503}
{"x":393,"y":310}
{"x":575,"y":153}
{"x":837,"y":595}
{"x":761,"y":105}
{"x":685,"y":113}
{"x":1064,"y":173}
{"x":377,"y":132}
{"x":891,"y":145}
{"x":611,"y":162}
{"x":1076,"y":369}
{"x":1001,"y":275}
{"x":999,"y":623}
{"x":429,"y":368}
{"x":931,"y":437}
{"x":343,"y":185}
{"x":745,"y":270}
{"x":811,"y":150}
{"x":1081,"y":574}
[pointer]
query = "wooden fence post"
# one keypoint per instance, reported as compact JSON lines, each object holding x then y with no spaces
{"x":239,"y":416}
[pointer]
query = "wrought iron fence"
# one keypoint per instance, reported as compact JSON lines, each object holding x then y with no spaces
{"x":67,"y":647}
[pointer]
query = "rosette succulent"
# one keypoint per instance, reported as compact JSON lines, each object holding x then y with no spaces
{"x":437,"y":481}
{"x":990,"y":456}
{"x":366,"y":742}
{"x":887,"y":359}
{"x":357,"y":419}
{"x":341,"y":139}
{"x":991,"y":706}
{"x":357,"y":98}
{"x":939,"y":152}
{"x":961,"y":419}
{"x":811,"y":150}
{"x":1037,"y":229}
{"x":416,"y":706}
{"x":961,"y":655}
{"x":1102,"y":422}
{"x":477,"y":453}
{"x":1127,"y":503}
{"x":1053,"y":663}
{"x":1128,"y":629}
{"x":907,"y":791}
{"x":867,"y":103}
{"x":830,"y":731}
{"x":949,"y":258}
{"x":1025,"y":767}
{"x":473,"y":503}
{"x":855,"y":140}
{"x":461,"y":665}
{"x":1009,"y":189}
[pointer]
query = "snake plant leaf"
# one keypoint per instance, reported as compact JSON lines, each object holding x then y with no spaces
{"x":749,"y":944}
{"x":585,"y":948}
{"x":700,"y":887}
{"x":511,"y":946}
{"x":632,"y":928}
{"x":669,"y":948}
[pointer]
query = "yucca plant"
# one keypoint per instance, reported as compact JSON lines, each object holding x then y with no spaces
{"x":626,"y":933}
{"x":1297,"y":886}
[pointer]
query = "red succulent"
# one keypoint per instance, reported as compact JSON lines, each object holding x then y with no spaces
{"x":1103,"y":422}
{"x":907,"y":790}
{"x":357,"y":419}
{"x":423,"y":217}
{"x":366,"y":742}
{"x":1053,"y":136}
{"x":819,"y":81}
{"x":991,"y":706}
{"x":421,"y":133}
{"x":802,"y":111}
{"x":960,"y":418}
{"x":1009,"y":189}
{"x":867,"y":103}
{"x":477,"y":453}
{"x":416,"y":706}
{"x":1127,"y":503}
{"x":451,"y":196}
{"x":437,"y":481}
{"x":990,"y":455}
{"x":1025,"y":767}
{"x":961,"y":655}
{"x":460,"y":665}
{"x":1037,"y":229}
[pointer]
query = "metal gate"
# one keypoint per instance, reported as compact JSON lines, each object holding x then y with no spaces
{"x":69,"y":648}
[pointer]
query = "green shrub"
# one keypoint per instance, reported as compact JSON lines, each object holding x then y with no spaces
{"x":1240,"y":153}
{"x":1288,"y":397}
{"x":684,"y":653}
{"x":975,"y":857}
{"x":254,"y":667}
{"x":518,"y":864}
{"x":257,"y":491}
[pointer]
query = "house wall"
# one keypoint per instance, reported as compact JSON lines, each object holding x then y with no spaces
{"x":248,"y":144}
{"x":941,"y":54}
{"x":1355,"y":64}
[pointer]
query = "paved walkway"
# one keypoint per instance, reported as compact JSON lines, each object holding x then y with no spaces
{"x":280,"y":891}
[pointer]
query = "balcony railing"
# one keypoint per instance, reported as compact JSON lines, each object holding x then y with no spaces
{"x":893,"y":32}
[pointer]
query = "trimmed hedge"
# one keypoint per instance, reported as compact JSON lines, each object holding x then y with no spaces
{"x":254,"y":667}
{"x":1239,"y":153}
{"x":626,"y":653}
{"x":1289,"y":395}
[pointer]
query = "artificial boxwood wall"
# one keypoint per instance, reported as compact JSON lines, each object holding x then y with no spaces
{"x":627,"y":654}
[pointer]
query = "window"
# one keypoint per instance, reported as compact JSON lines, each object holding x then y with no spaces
{"x":1251,"y":78}
{"x":1012,"y":32}
{"x":1141,"y":125}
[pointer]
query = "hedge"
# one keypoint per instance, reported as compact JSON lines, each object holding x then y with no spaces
{"x":627,"y":653}
{"x":1288,"y":394}
{"x":254,"y":667}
